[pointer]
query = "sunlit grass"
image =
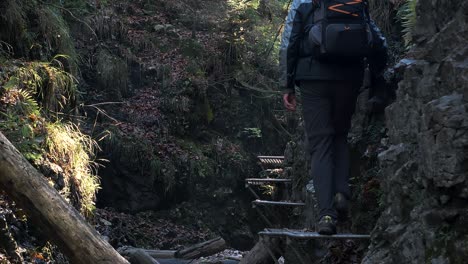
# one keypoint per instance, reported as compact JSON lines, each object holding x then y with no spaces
{"x":241,"y":4}
{"x":73,"y":151}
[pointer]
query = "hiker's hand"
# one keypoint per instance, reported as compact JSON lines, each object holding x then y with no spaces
{"x":289,"y":100}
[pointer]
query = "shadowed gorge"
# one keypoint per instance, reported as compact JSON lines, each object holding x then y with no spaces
{"x":161,"y":126}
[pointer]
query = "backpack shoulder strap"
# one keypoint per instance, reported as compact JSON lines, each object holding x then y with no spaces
{"x":366,"y":6}
{"x":307,"y":17}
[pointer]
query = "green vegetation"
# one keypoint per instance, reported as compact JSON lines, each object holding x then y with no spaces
{"x":68,"y":147}
{"x":407,"y":15}
{"x":112,"y":75}
{"x":32,"y":94}
{"x":57,"y":36}
{"x":52,"y":85}
{"x":14,"y":25}
{"x":38,"y":91}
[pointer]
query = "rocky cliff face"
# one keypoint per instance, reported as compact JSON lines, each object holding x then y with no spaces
{"x":425,"y":169}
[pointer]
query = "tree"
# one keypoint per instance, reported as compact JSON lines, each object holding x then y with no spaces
{"x":48,"y":210}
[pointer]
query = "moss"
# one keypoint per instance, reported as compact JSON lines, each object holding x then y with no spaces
{"x":56,"y":34}
{"x":195,"y":69}
{"x":129,"y":151}
{"x":208,"y":111}
{"x":14,"y":25}
{"x":113,"y":75}
{"x":191,"y":48}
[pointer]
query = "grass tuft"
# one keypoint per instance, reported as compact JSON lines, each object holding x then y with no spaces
{"x":73,"y":151}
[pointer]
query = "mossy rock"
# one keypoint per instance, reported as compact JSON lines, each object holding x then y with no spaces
{"x":112,"y":74}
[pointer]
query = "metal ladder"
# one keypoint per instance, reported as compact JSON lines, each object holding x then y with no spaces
{"x":272,"y":167}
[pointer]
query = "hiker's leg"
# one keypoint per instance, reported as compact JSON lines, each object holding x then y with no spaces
{"x":317,"y":108}
{"x":344,"y":103}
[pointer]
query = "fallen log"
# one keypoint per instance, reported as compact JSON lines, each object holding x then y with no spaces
{"x":157,"y":254}
{"x":49,"y":211}
{"x":203,"y":249}
{"x":264,"y":252}
{"x":140,"y":256}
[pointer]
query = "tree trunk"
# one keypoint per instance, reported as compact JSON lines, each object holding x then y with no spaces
{"x":262,"y":252}
{"x":204,"y":249}
{"x":139,"y":256}
{"x":154,"y":253}
{"x":48,"y":210}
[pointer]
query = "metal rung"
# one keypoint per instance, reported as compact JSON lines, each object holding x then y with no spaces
{"x":299,"y":234}
{"x":279,"y":203}
{"x":271,"y":157}
{"x":275,"y":160}
{"x":260,"y":181}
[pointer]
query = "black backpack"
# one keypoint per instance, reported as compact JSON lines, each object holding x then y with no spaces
{"x":340,"y":30}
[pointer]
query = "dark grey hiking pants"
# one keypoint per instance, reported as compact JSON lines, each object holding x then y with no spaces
{"x":327,"y":108}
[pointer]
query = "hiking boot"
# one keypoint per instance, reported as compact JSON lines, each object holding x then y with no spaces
{"x":326,"y":225}
{"x":341,"y":205}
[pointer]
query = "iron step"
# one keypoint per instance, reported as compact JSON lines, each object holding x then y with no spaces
{"x":261,"y":181}
{"x":278,"y":203}
{"x":301,"y":234}
{"x":271,"y":160}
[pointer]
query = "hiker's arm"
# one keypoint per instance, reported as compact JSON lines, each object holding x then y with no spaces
{"x":293,"y":49}
{"x":289,"y":48}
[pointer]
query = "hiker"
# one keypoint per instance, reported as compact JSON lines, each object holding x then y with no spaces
{"x":325,"y":47}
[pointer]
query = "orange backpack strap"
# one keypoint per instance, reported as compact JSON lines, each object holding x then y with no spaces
{"x":336,"y":8}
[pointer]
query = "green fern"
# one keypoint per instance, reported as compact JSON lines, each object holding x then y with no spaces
{"x":50,"y":83}
{"x":22,"y":100}
{"x":407,"y":15}
{"x":28,"y":103}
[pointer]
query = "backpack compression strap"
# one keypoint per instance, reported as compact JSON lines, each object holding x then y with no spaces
{"x":337,"y":5}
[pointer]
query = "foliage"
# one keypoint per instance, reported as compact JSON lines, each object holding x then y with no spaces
{"x":252,"y":132}
{"x":407,"y":15}
{"x":381,"y":12}
{"x":36,"y":29}
{"x":268,"y":189}
{"x":73,"y":151}
{"x":21,"y":119}
{"x":384,"y":14}
{"x":24,"y":133}
{"x":57,"y":36}
{"x":112,"y":74}
{"x":14,"y":24}
{"x":54,"y":88}
{"x":30,"y":92}
{"x":20,"y":101}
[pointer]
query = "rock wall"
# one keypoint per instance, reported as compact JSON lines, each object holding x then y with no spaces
{"x":425,"y":169}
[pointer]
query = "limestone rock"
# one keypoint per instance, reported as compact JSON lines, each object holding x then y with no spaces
{"x":425,"y":176}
